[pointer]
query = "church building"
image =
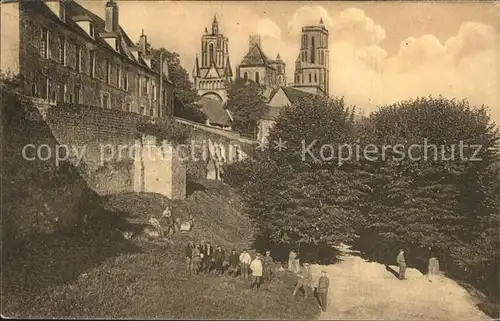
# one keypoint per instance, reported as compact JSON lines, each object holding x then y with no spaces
{"x":312,"y":64}
{"x":256,"y":67}
{"x":213,"y":73}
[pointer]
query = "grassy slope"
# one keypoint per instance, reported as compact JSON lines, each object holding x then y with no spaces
{"x":151,"y":282}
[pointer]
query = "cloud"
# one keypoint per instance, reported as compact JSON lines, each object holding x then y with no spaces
{"x":464,"y":66}
{"x":267,"y":27}
{"x":306,"y":16}
{"x":355,"y":27}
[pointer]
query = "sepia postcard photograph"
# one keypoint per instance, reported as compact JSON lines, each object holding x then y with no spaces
{"x":254,"y":160}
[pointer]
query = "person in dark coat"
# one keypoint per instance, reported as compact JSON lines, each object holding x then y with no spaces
{"x":208,"y":258}
{"x":219,"y":257}
{"x":188,"y":254}
{"x":234,"y":262}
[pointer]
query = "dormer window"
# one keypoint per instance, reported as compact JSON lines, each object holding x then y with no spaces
{"x":91,"y":29}
{"x":62,"y":13}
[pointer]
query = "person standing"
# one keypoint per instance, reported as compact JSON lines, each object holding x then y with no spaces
{"x":167,"y":216}
{"x":268,"y":266}
{"x":219,"y":257}
{"x":208,"y":253}
{"x":304,"y":281}
{"x":433,"y":268}
{"x":322,"y":290}
{"x":188,"y":253}
{"x":245,"y":260}
{"x":291,"y":260}
{"x":196,"y":259}
{"x":257,"y":269}
{"x":402,"y":264}
{"x":296,"y":265}
{"x":234,"y":261}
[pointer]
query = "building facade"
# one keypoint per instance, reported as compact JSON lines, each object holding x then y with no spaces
{"x":212,"y":76}
{"x":312,"y":64}
{"x":66,"y":54}
{"x":256,"y":67}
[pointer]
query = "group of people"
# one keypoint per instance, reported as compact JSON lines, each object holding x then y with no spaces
{"x":203,"y":258}
{"x":432,"y":268}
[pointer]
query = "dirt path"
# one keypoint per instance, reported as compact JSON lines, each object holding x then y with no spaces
{"x":366,"y":290}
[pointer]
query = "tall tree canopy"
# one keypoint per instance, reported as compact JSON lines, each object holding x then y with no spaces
{"x":247,"y":105}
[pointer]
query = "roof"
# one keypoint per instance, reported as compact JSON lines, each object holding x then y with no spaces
{"x":256,"y":57}
{"x":293,"y":95}
{"x":76,"y":12}
{"x":216,"y":114}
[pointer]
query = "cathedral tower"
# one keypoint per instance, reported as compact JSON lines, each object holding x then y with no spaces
{"x":212,"y":74}
{"x":312,"y":64}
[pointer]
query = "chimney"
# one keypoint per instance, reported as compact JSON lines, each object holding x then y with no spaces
{"x":111,"y":17}
{"x":254,"y":40}
{"x":143,"y":43}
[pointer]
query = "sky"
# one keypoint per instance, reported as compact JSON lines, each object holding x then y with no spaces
{"x":380,"y":52}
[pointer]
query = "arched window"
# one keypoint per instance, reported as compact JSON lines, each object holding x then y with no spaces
{"x":245,"y":76}
{"x":211,"y":53}
{"x":315,"y":78}
{"x":309,"y":77}
{"x":313,"y":51}
{"x":34,"y":92}
{"x":257,"y":80}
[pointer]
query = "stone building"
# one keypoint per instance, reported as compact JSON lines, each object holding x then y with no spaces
{"x":67,"y":54}
{"x":212,"y":76}
{"x":312,"y":64}
{"x":280,"y":98}
{"x":256,"y":67}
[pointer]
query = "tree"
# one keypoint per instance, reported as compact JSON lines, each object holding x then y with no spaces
{"x":442,"y":198}
{"x":186,"y":96}
{"x":296,"y":201}
{"x":247,"y":106}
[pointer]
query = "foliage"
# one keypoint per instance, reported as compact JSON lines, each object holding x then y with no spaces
{"x":185,"y":94}
{"x":163,"y":129}
{"x":247,"y":106}
{"x":295,"y":200}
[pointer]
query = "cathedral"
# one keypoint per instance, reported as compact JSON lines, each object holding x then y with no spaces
{"x":212,"y":75}
{"x":311,"y":67}
{"x":257,"y":67}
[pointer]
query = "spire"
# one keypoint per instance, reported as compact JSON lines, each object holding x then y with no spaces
{"x":196,"y":68}
{"x":228,"y":72}
{"x":215,"y":26}
{"x":206,"y":30}
{"x":278,"y":57}
{"x":321,"y":21}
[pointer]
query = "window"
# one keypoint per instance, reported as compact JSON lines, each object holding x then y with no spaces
{"x":78,"y":58}
{"x":124,"y":74}
{"x":63,"y":88}
{"x":143,"y":110}
{"x":154,"y":91}
{"x":91,"y":29}
{"x":309,"y":77}
{"x":315,"y":78}
{"x":34,"y":92}
{"x":92,"y":64}
{"x":245,"y":76}
{"x":62,"y":51}
{"x":45,"y":89}
{"x":257,"y":80}
{"x":105,"y":101}
{"x":151,"y":112}
{"x":211,"y":53}
{"x":164,"y":97}
{"x":139,"y":84}
{"x":108,"y":71}
{"x":118,"y":76}
{"x":313,"y":51}
{"x":145,"y":86}
{"x":44,"y":41}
